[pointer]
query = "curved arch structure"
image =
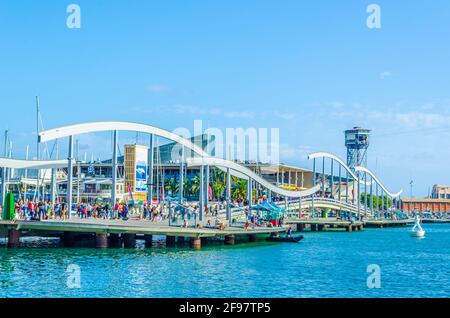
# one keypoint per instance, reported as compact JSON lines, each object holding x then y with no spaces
{"x":322,"y":154}
{"x":32,"y":164}
{"x":93,"y":127}
{"x":210,"y":161}
{"x":85,"y":128}
{"x":365,"y":170}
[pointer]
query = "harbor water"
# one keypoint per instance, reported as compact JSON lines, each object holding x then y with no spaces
{"x":324,"y":264}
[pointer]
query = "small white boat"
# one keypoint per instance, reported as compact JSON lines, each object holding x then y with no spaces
{"x":417,"y":230}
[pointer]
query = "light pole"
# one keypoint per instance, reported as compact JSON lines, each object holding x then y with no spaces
{"x":411,"y":183}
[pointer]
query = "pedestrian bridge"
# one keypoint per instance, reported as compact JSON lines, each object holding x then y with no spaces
{"x":340,"y":188}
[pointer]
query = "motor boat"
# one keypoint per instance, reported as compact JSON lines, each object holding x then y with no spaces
{"x":286,"y":239}
{"x":417,"y":230}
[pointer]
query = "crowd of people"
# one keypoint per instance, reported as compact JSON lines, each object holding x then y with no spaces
{"x":186,"y":214}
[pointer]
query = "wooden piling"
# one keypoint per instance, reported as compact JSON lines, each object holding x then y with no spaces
{"x":196,"y":243}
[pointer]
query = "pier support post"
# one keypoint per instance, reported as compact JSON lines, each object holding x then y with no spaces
{"x":181,"y":179}
{"x":252,"y":237}
{"x":148,"y":240}
{"x":230,"y":240}
{"x":201,"y":199}
{"x":300,"y":227}
{"x":70,"y":179}
{"x":228,"y":196}
{"x":101,"y":240}
{"x":196,"y":243}
{"x":150,"y":171}
{"x":129,"y":240}
{"x":13,"y":238}
{"x":114,"y":168}
{"x":349,"y":228}
{"x":170,"y":241}
{"x":114,"y":240}
{"x":320,"y":227}
{"x":313,"y":227}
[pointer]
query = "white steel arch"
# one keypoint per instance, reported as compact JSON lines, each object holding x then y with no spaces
{"x":323,"y":154}
{"x":363,"y":169}
{"x":93,"y":127}
{"x":85,"y":128}
{"x":32,"y":164}
{"x":210,"y":161}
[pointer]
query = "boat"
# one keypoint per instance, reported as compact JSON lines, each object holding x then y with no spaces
{"x":417,"y":230}
{"x":286,"y":239}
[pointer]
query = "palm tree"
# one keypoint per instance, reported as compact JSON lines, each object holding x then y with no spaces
{"x":173,"y":186}
{"x":239,"y":191}
{"x":218,"y":184}
{"x":218,"y":188}
{"x":195,"y":185}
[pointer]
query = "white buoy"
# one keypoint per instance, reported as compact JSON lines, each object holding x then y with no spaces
{"x":417,"y":230}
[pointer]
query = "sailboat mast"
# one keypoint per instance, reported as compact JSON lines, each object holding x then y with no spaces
{"x":38,"y":146}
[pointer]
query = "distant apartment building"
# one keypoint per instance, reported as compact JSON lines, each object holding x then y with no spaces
{"x":440,"y":192}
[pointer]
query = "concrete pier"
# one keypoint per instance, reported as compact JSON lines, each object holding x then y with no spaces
{"x":129,"y":240}
{"x":387,"y":223}
{"x":101,"y":240}
{"x":75,"y":232}
{"x":230,"y":240}
{"x":196,"y":243}
{"x":13,"y":238}
{"x":319,"y":224}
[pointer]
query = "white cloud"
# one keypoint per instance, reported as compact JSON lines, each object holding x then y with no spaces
{"x":385,"y":74}
{"x":243,"y":115}
{"x":158,"y":88}
{"x":336,"y":104}
{"x":284,"y":115}
{"x":288,"y":152}
{"x":422,"y":119}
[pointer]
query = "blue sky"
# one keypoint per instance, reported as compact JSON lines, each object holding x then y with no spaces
{"x":310,"y":68}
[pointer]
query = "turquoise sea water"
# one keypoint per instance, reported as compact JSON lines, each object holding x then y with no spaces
{"x":323,"y":265}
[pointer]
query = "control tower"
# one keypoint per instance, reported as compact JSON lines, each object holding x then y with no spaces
{"x":357,"y":142}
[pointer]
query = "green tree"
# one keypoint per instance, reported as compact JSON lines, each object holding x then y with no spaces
{"x":387,"y":201}
{"x":239,"y":189}
{"x":195,"y":184}
{"x":173,"y":186}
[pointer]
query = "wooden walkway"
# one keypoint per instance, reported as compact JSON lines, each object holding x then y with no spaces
{"x":130,"y":227}
{"x":436,"y":221}
{"x":387,"y":223}
{"x":320,"y":224}
{"x":330,"y":223}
